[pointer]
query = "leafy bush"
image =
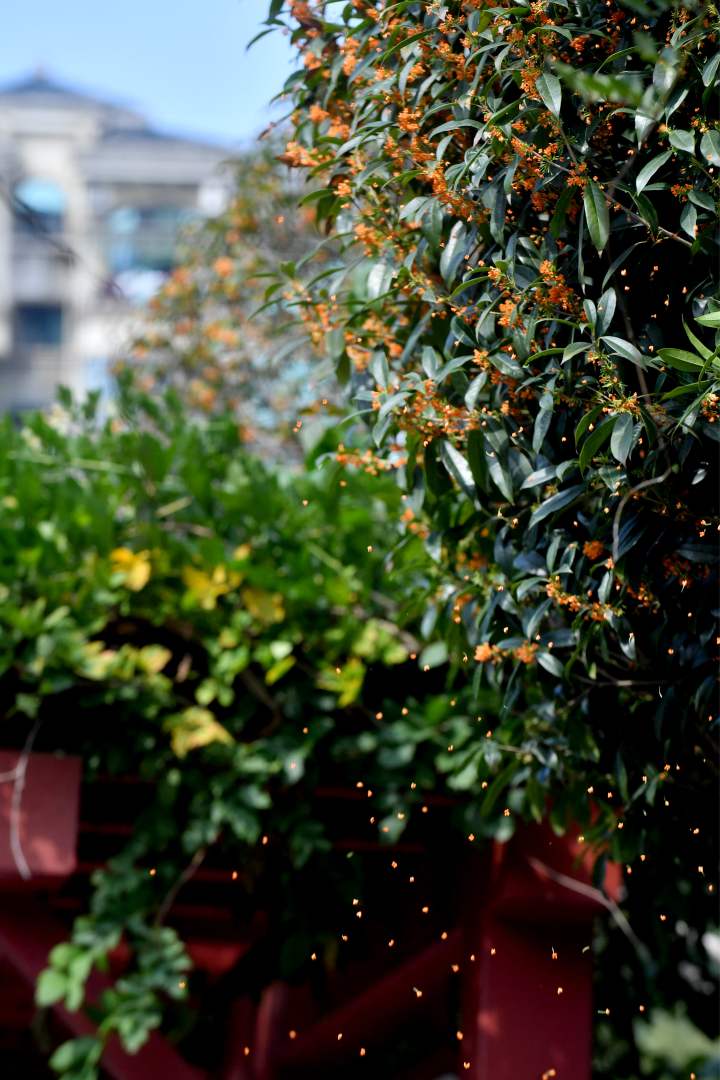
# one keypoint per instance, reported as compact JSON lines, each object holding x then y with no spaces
{"x":171,"y":610}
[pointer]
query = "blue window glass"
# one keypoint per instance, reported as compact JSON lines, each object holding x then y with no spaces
{"x":38,"y":324}
{"x":39,"y":204}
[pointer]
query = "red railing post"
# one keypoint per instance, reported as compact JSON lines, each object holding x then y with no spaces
{"x":528,"y":1001}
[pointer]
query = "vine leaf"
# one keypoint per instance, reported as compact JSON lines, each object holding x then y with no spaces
{"x":597,"y":216}
{"x":549,"y":89}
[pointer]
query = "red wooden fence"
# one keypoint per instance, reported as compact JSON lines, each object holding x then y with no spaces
{"x":514,"y":973}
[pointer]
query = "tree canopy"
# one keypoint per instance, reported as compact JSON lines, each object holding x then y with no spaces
{"x":528,"y":324}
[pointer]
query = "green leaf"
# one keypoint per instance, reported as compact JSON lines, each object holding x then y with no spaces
{"x":561,"y":208}
{"x":690,"y":388}
{"x":500,"y":476}
{"x":702,"y":199}
{"x":597,"y":216}
{"x":550,"y":663}
{"x":497,"y":217}
{"x":619,"y":261}
{"x":459,"y":468}
{"x":510,"y":174}
{"x":710,"y":146}
{"x":474,"y":390}
{"x":499,"y":783}
{"x":683,"y":140}
{"x":648,"y":171}
{"x":77,"y":1053}
{"x":711,"y":318}
{"x":574,"y":349}
{"x":452,"y":252}
{"x":476,"y":458}
{"x":625,"y":349}
{"x":605,"y":311}
{"x":709,"y":70}
{"x":688,"y":220}
{"x":433,"y":655}
{"x":432,"y":225}
{"x":462,"y":332}
{"x":704,"y":352}
{"x":402,"y":44}
{"x":647,"y":212}
{"x":335,"y":341}
{"x":555,"y":503}
{"x":594,"y":441}
{"x":681,"y":359}
{"x":51,"y":986}
{"x":588,"y":419}
{"x":549,"y":89}
{"x":622,"y":437}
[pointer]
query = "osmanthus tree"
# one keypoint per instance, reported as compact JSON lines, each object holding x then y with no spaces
{"x":198,"y":335}
{"x":528,"y":331}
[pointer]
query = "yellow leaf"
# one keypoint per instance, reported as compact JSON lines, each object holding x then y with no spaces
{"x":193,"y":728}
{"x":97,"y":660}
{"x":152,"y":658}
{"x":135,"y":567}
{"x":279,"y":669}
{"x":207,"y":587}
{"x":347,"y":681}
{"x":241,"y":552}
{"x":264,"y":606}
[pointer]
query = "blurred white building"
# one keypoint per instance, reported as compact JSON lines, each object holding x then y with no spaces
{"x":91,"y":198}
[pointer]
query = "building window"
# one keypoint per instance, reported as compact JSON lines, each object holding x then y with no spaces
{"x":39,"y":206}
{"x":38,"y":324}
{"x":141,"y":238}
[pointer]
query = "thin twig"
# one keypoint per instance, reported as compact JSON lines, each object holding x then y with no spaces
{"x":621,"y":507}
{"x":182,"y":880}
{"x":595,"y":894}
{"x":616,"y":180}
{"x":197,"y":530}
{"x":621,"y":206}
{"x":622,"y":682}
{"x":20,"y":770}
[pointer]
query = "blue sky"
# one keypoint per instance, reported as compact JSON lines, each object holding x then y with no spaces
{"x":181,"y":62}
